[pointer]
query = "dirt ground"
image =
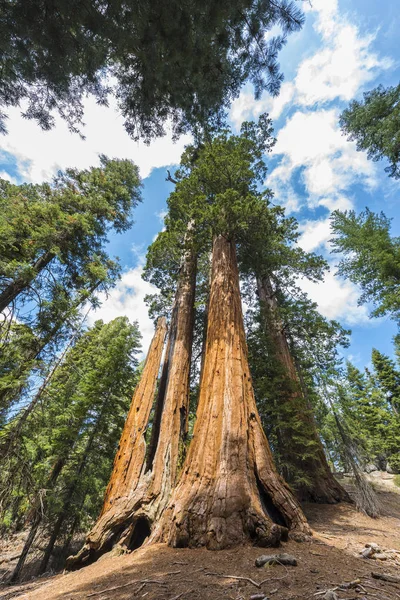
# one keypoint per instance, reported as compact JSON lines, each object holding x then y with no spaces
{"x":329,"y":559}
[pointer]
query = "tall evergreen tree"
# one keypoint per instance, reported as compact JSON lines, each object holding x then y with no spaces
{"x":374,"y":125}
{"x":62,"y":228}
{"x":388,"y":377}
{"x":177,"y":61}
{"x":53,"y":260}
{"x":80,"y":416}
{"x":371,"y":258}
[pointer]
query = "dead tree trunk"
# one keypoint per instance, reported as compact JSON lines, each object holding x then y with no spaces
{"x":131,"y":453}
{"x":301,"y":451}
{"x":130,"y":519}
{"x":20,"y":284}
{"x":229,"y":491}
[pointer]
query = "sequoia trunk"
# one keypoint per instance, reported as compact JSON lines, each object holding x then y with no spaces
{"x":229,"y":490}
{"x":130,"y":458}
{"x":130,"y":519}
{"x":301,"y":449}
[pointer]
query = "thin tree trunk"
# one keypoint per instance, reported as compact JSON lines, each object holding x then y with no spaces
{"x":229,"y":491}
{"x":71,"y":489}
{"x":37,"y":518}
{"x":16,"y":287}
{"x":39,"y":346}
{"x":130,"y":520}
{"x":20,"y":420}
{"x":130,"y":458}
{"x":301,"y":451}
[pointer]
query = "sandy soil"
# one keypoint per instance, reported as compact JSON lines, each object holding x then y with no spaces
{"x":330,"y":558}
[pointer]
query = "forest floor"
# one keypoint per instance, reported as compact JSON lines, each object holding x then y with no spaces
{"x":329,"y":559}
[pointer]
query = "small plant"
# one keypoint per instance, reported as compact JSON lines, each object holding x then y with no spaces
{"x":396,"y":480}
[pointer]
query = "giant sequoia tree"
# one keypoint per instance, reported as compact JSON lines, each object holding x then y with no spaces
{"x":229,"y":490}
{"x":270,"y":255}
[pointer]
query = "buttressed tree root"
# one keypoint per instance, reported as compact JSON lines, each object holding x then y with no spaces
{"x":229,"y":491}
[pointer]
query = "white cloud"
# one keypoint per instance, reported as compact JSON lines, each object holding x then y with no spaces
{"x":245,"y":107}
{"x":312,"y":141}
{"x":7,"y":177}
{"x":314,"y":234}
{"x":40,"y":154}
{"x":337,"y":299}
{"x":342,"y":65}
{"x":127,"y":299}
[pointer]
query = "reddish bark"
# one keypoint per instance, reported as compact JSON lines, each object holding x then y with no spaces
{"x":302,"y":458}
{"x":130,"y":519}
{"x":229,"y":491}
{"x":131,"y":454}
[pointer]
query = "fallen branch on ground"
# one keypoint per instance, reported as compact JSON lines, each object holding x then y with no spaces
{"x":258,"y":585}
{"x":181,"y":594}
{"x":118,"y":587}
{"x":386,"y":577}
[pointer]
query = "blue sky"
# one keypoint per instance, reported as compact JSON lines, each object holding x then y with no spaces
{"x":345,"y":48}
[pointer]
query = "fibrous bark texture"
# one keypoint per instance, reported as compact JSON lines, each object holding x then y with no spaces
{"x":131,"y":454}
{"x":129,"y":461}
{"x":303,"y":453}
{"x":129,"y":518}
{"x":229,"y":491}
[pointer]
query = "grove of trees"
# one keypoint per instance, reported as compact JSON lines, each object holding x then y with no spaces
{"x":244,"y":406}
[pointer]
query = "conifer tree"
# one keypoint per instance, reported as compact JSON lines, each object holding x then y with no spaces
{"x":161,"y":61}
{"x":62,"y":228}
{"x":371,"y":258}
{"x":388,"y":377}
{"x":79,"y":418}
{"x":53,"y":260}
{"x":374,"y":124}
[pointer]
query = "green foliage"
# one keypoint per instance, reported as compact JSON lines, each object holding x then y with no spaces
{"x":177,"y":61}
{"x":67,"y":445}
{"x":53,"y":260}
{"x":364,"y":404}
{"x":374,"y":125}
{"x":63,"y":226}
{"x":371,"y":258}
{"x":388,"y":377}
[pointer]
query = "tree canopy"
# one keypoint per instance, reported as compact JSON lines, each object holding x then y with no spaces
{"x":177,"y":61}
{"x":374,"y":124}
{"x":371,"y":258}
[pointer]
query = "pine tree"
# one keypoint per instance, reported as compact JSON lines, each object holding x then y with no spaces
{"x":371,"y":258}
{"x":80,"y":417}
{"x":388,"y":377}
{"x":62,"y":227}
{"x":53,"y":260}
{"x":374,"y":125}
{"x":175,"y":61}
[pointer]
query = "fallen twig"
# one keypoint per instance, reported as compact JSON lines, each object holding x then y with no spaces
{"x":181,"y":594}
{"x":118,"y":587}
{"x":258,"y":585}
{"x":386,"y":577}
